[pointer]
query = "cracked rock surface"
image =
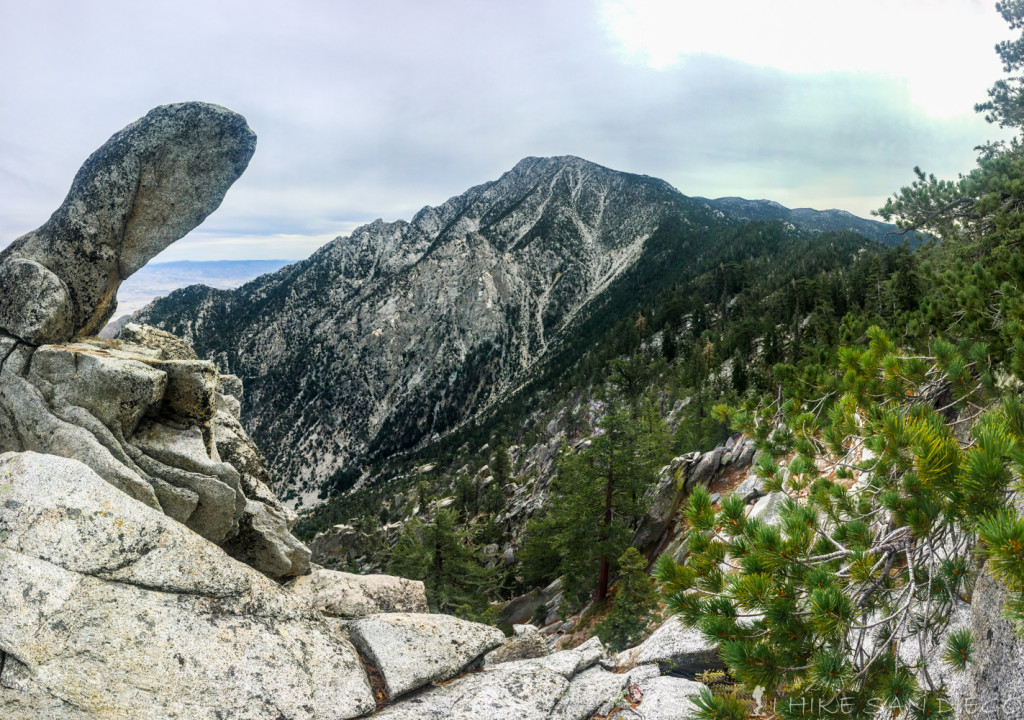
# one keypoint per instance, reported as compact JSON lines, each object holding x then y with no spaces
{"x":112,"y":610}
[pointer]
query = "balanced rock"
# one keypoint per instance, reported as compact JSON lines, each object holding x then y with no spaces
{"x":146,"y":187}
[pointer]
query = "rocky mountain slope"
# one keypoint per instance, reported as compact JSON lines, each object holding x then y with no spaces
{"x":158,"y":279}
{"x":405,"y":330}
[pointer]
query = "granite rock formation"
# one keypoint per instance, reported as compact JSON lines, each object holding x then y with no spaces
{"x":146,"y":187}
{"x":143,"y":412}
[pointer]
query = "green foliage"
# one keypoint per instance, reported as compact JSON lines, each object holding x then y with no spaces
{"x":442,"y":554}
{"x":635,"y":601}
{"x":719,"y":707}
{"x":959,"y":649}
{"x":820,"y":602}
{"x":595,"y":497}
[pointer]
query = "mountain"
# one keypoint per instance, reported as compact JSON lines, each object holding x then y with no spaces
{"x":807,"y":218}
{"x":157,"y":279}
{"x":399,"y":333}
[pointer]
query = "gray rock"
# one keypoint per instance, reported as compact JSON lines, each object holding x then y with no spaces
{"x":147,"y":186}
{"x":523,"y":693}
{"x":521,"y":608}
{"x":674,"y":647}
{"x":169,"y":347}
{"x":746,"y":455}
{"x":593,"y":691}
{"x":340,"y":594}
{"x":191,"y":389}
{"x":569,"y":663}
{"x":750,"y":489}
{"x":663,"y":500}
{"x":767,"y":509}
{"x":412,"y":650}
{"x":34,"y":425}
{"x":232,"y":385}
{"x":525,"y":645}
{"x":105,"y":403}
{"x":263,"y":539}
{"x":81,"y":376}
{"x":705,"y":470}
{"x":140,"y":411}
{"x":995,"y":686}
{"x":184,"y":455}
{"x":664,"y":698}
{"x":114,"y":610}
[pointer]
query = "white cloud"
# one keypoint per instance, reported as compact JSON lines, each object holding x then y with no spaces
{"x":942,"y":49}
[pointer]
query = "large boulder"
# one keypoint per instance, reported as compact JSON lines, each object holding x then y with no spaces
{"x":705,"y":469}
{"x":593,"y":691}
{"x":341,"y":594}
{"x":768,"y":509}
{"x":529,"y":693}
{"x":110,"y":609}
{"x":143,"y":412}
{"x":525,"y":645}
{"x":662,"y":500}
{"x":565,"y":686}
{"x":413,"y":649}
{"x":146,"y":187}
{"x":115,"y":405}
{"x":675,"y":648}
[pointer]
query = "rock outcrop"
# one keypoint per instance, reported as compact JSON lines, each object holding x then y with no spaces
{"x":110,"y":609}
{"x":525,"y":645}
{"x":146,"y":187}
{"x":413,"y":649}
{"x":143,"y":412}
{"x":340,"y":594}
{"x":674,"y":648}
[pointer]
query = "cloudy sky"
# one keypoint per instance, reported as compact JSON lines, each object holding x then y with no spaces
{"x":375,"y":109}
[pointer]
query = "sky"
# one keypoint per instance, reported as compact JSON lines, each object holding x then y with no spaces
{"x":368,"y":110}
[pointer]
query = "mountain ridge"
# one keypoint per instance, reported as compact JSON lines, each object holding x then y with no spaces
{"x":405,"y":329}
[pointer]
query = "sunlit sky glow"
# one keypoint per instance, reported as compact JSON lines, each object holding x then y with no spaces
{"x":367,"y":110}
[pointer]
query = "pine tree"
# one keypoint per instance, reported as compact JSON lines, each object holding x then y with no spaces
{"x":443,"y":555}
{"x":409,"y":556}
{"x":596,"y":497}
{"x":635,"y":601}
